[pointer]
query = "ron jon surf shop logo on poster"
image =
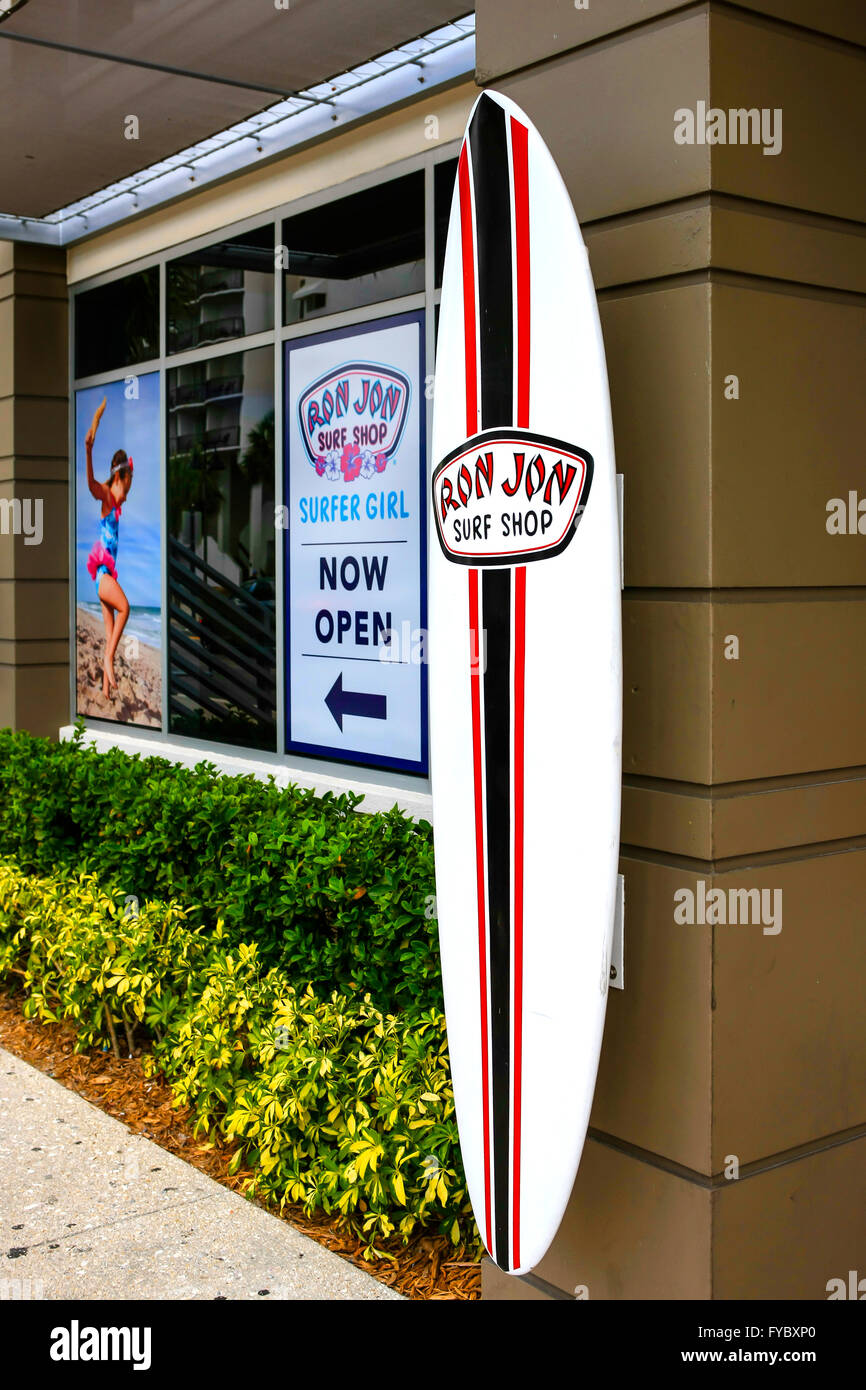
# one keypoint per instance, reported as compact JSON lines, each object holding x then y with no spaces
{"x":352,"y":420}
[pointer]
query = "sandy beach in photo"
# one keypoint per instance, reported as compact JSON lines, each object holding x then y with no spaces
{"x":138,"y":697}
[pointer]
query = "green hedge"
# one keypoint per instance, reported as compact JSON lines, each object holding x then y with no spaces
{"x":334,"y":897}
{"x":335,"y":1104}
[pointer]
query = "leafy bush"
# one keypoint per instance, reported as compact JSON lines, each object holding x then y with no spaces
{"x":83,"y":956}
{"x":334,"y":1103}
{"x":334,"y":897}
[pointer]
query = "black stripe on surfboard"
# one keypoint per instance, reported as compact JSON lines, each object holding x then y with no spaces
{"x":488,"y":143}
{"x":496,"y":622}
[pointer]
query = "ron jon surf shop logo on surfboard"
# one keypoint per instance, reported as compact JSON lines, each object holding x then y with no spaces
{"x":352,"y":420}
{"x":509,"y":496}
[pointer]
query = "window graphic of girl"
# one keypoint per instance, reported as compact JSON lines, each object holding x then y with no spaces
{"x":101,"y":562}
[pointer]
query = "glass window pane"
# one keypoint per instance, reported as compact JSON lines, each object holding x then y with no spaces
{"x":221,"y":549}
{"x":117,"y":324}
{"x":444,"y":175}
{"x":223,"y":291}
{"x":357,"y":250}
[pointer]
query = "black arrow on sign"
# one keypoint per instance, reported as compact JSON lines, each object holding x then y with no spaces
{"x":340,"y":702}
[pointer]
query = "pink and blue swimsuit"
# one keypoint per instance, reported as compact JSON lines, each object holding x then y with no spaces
{"x":104,"y":553}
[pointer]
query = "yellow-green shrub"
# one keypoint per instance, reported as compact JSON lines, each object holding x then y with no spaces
{"x":93,"y":957}
{"x":334,"y":1104}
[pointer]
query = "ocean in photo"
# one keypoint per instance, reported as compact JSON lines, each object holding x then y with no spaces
{"x":143,"y":623}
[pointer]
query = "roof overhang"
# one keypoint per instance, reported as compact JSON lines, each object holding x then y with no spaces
{"x":80,"y":133}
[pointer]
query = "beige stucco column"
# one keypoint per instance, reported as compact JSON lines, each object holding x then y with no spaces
{"x":727,"y":1155}
{"x":34,"y":490}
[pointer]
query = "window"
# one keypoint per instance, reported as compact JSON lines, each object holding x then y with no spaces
{"x":221,"y":549}
{"x":444,"y":175}
{"x":117,"y":325}
{"x":203,"y":551}
{"x":361,"y":249}
{"x":224,"y":291}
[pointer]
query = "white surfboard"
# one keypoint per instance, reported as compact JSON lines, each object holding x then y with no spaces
{"x":525,"y":679}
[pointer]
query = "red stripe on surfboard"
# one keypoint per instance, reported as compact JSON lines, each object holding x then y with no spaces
{"x":471,"y":374}
{"x":520,"y":174}
{"x":520,"y":179}
{"x":475,"y":681}
{"x":470,"y":348}
{"x":519,"y":670}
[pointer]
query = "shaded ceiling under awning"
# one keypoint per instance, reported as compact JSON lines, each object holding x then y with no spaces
{"x":72,"y":71}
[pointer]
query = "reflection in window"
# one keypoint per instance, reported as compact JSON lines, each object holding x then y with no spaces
{"x":117,"y":325}
{"x":221,"y":549}
{"x":357,"y":250}
{"x":223,"y":291}
{"x":444,"y":175}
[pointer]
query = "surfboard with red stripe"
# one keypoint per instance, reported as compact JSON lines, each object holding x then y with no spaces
{"x":525,"y":679}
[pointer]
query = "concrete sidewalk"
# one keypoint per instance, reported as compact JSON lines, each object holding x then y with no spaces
{"x":89,"y":1210}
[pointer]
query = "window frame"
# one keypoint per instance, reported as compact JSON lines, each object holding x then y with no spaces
{"x":428,"y":300}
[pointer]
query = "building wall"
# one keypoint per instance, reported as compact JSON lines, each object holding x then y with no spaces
{"x":732,"y":1049}
{"x":34,"y":612}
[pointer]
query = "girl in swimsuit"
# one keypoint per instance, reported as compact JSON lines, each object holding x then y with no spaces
{"x":101,"y":563}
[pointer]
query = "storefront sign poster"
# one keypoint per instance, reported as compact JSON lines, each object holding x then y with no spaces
{"x":356,"y":545}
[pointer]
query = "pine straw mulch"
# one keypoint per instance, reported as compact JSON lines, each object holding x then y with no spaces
{"x":427,"y":1268}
